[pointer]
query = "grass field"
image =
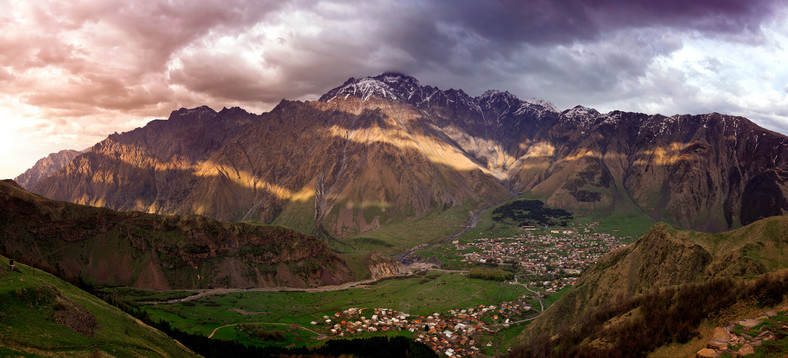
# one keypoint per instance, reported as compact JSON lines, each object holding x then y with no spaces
{"x":398,"y":237}
{"x":418,"y":295}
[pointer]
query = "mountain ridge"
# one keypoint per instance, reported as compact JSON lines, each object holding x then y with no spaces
{"x":159,"y":252}
{"x":378,"y":150}
{"x":45,"y":167}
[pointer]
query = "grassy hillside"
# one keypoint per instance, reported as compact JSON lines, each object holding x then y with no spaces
{"x":663,"y":259}
{"x":668,"y":322}
{"x":41,"y":315}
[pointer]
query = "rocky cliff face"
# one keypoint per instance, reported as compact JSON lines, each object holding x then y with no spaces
{"x":379,"y":149}
{"x":381,"y":266}
{"x":45,"y":167}
{"x":160,"y":252}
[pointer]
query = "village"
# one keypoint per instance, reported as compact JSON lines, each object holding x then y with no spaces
{"x":552,"y":260}
{"x":548,"y":262}
{"x":451,"y":334}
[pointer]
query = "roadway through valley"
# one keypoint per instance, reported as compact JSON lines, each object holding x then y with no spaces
{"x":223,"y":291}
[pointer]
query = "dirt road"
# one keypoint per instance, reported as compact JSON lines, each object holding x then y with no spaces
{"x":223,"y":291}
{"x":261,"y":323}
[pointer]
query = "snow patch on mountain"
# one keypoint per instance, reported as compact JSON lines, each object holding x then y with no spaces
{"x":580,"y":116}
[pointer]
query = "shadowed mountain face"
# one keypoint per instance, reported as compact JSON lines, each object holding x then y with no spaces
{"x":45,"y":167}
{"x":159,"y":252}
{"x":380,"y":149}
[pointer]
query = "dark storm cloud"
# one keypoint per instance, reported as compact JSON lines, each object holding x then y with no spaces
{"x":499,"y":28}
{"x":109,"y":64}
{"x":549,"y":22}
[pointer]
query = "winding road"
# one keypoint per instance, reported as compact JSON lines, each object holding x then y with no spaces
{"x":536,"y":294}
{"x":262,"y":323}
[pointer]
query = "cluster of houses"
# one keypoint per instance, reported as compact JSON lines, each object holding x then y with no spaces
{"x":453,"y":333}
{"x":551,"y":261}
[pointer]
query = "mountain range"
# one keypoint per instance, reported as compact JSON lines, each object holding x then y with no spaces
{"x":384,"y":151}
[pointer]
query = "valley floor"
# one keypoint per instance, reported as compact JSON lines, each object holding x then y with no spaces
{"x":440,"y":306}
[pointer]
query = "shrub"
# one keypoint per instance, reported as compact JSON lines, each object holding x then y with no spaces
{"x":490,"y":274}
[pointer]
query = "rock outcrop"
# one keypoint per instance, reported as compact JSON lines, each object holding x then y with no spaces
{"x":740,"y":339}
{"x":381,"y":266}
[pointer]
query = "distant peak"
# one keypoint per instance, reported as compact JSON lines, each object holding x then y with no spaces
{"x":580,"y":115}
{"x":495,"y":96}
{"x":541,"y":103}
{"x":195,"y":109}
{"x":489,"y":93}
{"x":233,"y":110}
{"x":496,"y":93}
{"x":389,"y":85}
{"x":395,"y":77}
{"x":580,"y":109}
{"x":197,"y":112}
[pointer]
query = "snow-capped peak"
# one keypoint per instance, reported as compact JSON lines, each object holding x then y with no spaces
{"x":362,"y":88}
{"x":580,"y":115}
{"x":390,"y":85}
{"x":541,"y":103}
{"x":495,"y":95}
{"x":492,"y":104}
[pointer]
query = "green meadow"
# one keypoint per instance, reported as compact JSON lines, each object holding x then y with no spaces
{"x":292,"y":311}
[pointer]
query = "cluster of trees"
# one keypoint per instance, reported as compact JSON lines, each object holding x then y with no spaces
{"x":531,"y":212}
{"x":262,"y":333}
{"x":361,"y":347}
{"x":666,"y":315}
{"x":490,"y":274}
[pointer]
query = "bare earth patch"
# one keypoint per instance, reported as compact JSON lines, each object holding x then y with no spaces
{"x":74,"y":316}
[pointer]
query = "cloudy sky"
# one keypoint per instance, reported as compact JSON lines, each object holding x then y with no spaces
{"x":72,"y":72}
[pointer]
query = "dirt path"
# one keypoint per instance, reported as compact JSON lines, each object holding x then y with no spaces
{"x":223,"y":291}
{"x":261,"y":323}
{"x":448,"y":271}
